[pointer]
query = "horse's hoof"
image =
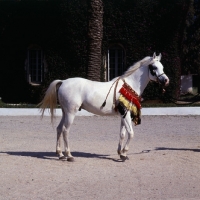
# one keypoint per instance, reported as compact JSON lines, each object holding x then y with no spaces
{"x":70,"y":159}
{"x":62,"y":158}
{"x":123,"y":158}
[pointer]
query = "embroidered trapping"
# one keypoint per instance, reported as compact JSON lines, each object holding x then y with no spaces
{"x":130,"y":96}
{"x":130,"y":100}
{"x":127,"y":104}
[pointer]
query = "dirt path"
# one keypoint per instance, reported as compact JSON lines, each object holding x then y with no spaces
{"x":164,"y":160}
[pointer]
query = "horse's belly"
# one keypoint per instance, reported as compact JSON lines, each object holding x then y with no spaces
{"x":98,"y":110}
{"x":93,"y":103}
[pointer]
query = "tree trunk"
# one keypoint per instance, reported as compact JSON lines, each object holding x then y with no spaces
{"x":95,"y":35}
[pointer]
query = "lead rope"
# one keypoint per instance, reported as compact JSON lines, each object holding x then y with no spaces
{"x":116,"y":81}
{"x":114,"y":96}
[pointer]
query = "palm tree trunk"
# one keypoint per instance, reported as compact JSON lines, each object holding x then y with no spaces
{"x":95,"y":35}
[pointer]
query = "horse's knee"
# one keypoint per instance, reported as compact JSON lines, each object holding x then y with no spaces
{"x":130,"y":134}
{"x":122,"y":135}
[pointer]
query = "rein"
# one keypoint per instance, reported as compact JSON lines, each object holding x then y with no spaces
{"x":116,"y":81}
{"x":136,"y":95}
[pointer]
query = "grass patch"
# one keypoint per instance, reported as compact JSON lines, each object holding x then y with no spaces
{"x":183,"y":102}
{"x":20,"y":105}
{"x":156,"y":105}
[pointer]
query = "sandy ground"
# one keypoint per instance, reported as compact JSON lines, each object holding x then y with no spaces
{"x":164,"y":160}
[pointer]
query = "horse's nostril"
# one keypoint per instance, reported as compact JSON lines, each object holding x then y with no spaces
{"x":166,"y":81}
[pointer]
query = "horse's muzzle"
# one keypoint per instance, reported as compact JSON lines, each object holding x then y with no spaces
{"x":163,"y":80}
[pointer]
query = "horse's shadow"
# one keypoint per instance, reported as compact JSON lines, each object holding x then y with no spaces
{"x":169,"y":149}
{"x":52,"y":155}
{"x":176,"y":149}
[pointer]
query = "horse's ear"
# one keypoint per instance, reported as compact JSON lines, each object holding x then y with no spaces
{"x":159,"y":57}
{"x":154,"y":55}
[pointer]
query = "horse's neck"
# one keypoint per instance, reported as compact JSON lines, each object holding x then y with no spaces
{"x":138,"y":80}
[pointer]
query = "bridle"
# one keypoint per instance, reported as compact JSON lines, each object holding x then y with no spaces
{"x":153,"y":73}
{"x":170,"y":97}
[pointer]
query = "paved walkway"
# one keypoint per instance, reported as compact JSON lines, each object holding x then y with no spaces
{"x":145,"y":111}
{"x":164,"y":160}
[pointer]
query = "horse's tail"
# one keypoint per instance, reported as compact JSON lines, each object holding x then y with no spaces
{"x":50,"y":99}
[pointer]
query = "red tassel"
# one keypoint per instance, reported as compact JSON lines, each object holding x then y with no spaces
{"x":104,"y":103}
{"x":131,"y":97}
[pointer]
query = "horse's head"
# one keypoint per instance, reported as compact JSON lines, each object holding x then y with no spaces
{"x":156,"y":72}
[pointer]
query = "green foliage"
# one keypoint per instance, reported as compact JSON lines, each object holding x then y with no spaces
{"x":191,"y":42}
{"x":144,"y":27}
{"x":60,"y":28}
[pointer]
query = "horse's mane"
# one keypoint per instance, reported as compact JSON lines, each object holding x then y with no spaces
{"x":134,"y":67}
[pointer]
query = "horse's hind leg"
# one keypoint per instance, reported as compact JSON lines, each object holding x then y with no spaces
{"x":60,"y":130}
{"x":68,"y":120}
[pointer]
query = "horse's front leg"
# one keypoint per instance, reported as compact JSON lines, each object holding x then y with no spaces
{"x":121,"y":138}
{"x":127,"y":122}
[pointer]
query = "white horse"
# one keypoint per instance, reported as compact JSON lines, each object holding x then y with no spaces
{"x":78,"y":93}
